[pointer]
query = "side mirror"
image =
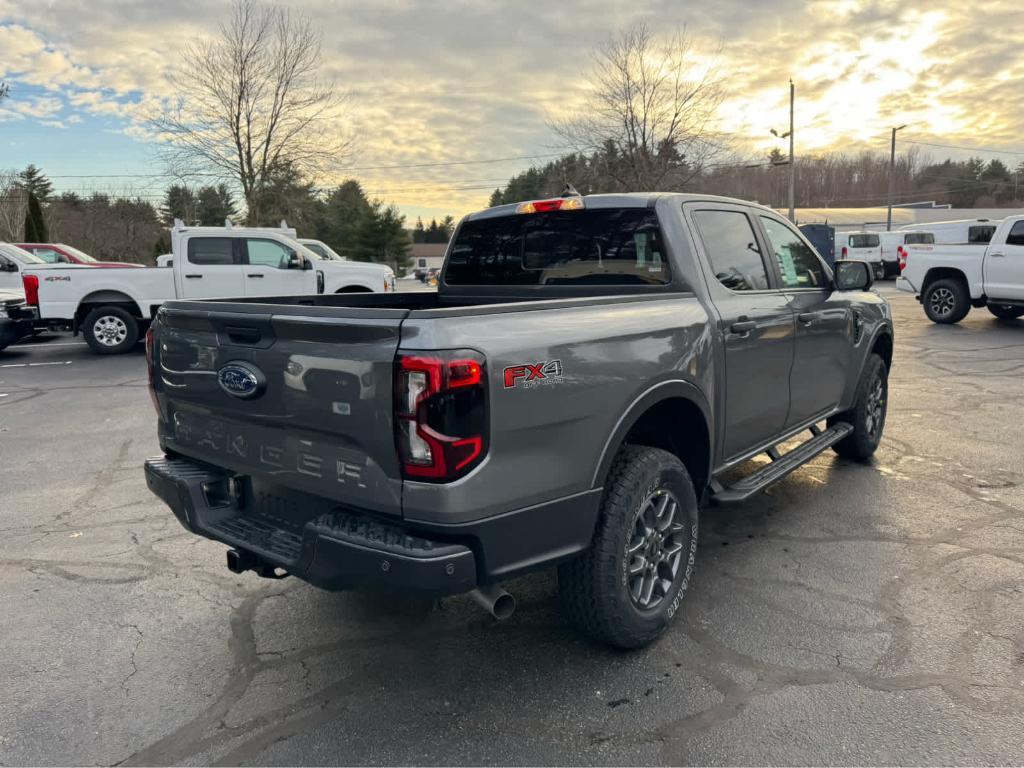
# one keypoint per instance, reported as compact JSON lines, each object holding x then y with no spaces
{"x":853,"y":276}
{"x":295,"y":261}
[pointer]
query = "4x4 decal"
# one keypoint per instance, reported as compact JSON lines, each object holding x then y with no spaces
{"x":532,"y":374}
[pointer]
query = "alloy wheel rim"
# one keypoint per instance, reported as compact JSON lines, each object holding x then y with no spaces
{"x":110,"y":330}
{"x":875,"y":410}
{"x":942,"y":301}
{"x":654,"y":553}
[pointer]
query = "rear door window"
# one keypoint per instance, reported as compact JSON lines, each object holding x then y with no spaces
{"x":732,"y":249}
{"x":209,"y":251}
{"x":980,"y":234}
{"x":604,"y":246}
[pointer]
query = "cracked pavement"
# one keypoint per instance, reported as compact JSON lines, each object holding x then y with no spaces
{"x":854,"y":614}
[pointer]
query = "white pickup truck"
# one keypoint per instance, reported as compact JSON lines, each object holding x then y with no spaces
{"x":111,"y":307}
{"x":950,"y":279}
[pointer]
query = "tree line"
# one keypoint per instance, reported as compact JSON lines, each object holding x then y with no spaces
{"x":113,"y":228}
{"x":836,"y":180}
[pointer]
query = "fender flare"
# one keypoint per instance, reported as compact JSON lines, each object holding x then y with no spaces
{"x":670,"y":389}
{"x":882,"y":330}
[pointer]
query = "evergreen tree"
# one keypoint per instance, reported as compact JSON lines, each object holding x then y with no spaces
{"x":35,"y":224}
{"x":381,"y":237}
{"x":344,"y":209}
{"x":179,"y":203}
{"x":419,"y":234}
{"x":33,"y":181}
{"x":214,"y":205}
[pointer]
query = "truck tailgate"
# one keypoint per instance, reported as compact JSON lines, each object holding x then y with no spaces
{"x":295,"y":398}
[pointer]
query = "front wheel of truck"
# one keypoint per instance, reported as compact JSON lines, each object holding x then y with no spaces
{"x":626,"y":589}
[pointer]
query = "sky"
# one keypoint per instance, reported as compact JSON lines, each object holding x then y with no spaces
{"x":448,"y":99}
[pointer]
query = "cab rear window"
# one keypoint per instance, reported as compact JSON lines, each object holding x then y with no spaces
{"x":919,"y":238}
{"x":607,"y":246}
{"x":864,"y":241}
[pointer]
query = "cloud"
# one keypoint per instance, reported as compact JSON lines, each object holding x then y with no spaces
{"x":437,"y":82}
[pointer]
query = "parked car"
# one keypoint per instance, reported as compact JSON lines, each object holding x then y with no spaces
{"x":861,"y":246}
{"x":17,"y":320}
{"x":894,"y":242}
{"x":13,"y":262}
{"x":823,"y":238}
{"x":959,"y":232}
{"x":586,"y":375}
{"x":950,"y":279}
{"x":111,"y":308}
{"x":59,"y":253}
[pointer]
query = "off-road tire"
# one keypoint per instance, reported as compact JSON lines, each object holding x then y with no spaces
{"x":867,"y":420}
{"x":594,"y":588}
{"x":112,"y":315}
{"x":946,"y":301}
{"x":1006,"y":311}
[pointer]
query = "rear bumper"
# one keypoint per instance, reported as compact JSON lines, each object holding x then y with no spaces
{"x":336,"y":548}
{"x":12,"y":330}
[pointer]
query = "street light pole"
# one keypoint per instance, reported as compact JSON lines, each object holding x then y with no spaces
{"x":892,"y":176}
{"x":792,"y":165}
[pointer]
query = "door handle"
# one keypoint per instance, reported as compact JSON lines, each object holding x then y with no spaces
{"x":194,"y":277}
{"x":997,"y":255}
{"x":254,"y":275}
{"x":743,"y":326}
{"x":807,"y":317}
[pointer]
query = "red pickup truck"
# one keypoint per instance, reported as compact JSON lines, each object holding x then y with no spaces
{"x":58,"y":253}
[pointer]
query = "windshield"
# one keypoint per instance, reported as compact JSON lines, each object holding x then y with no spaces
{"x":318,"y":249}
{"x":607,"y":246}
{"x":77,"y":253}
{"x":20,"y":254}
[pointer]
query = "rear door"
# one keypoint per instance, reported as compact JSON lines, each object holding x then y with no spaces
{"x":212,"y":268}
{"x":1004,"y":266}
{"x":319,"y":416}
{"x":755,"y":323}
{"x":268,"y":270}
{"x":823,"y":323}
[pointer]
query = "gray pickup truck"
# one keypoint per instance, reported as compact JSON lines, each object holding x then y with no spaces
{"x":587,"y":371}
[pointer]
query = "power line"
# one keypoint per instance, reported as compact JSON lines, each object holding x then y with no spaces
{"x":956,"y":146}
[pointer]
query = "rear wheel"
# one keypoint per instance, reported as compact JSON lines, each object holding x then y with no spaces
{"x":110,"y":330}
{"x":946,"y":301}
{"x":627,"y":587}
{"x":1006,"y":311}
{"x":868,"y":413}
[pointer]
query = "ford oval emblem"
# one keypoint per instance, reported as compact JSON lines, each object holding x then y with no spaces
{"x":241,"y":380}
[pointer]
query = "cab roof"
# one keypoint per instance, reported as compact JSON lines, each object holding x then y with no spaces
{"x":624,"y":200}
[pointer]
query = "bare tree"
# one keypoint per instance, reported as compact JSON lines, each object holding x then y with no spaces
{"x":250,"y":101}
{"x":650,"y":111}
{"x":13,"y":204}
{"x":5,"y":90}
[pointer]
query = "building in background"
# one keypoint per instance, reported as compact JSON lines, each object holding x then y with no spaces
{"x":427,"y":256}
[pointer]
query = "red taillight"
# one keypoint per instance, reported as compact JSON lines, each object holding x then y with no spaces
{"x":844,"y":252}
{"x":149,"y":368}
{"x":440,"y":414}
{"x":31,"y":283}
{"x":902,"y":253}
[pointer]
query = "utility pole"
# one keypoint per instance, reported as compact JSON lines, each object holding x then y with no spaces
{"x":792,"y":165}
{"x":892,"y":176}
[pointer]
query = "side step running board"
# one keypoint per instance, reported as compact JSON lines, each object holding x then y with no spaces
{"x":780,"y":466}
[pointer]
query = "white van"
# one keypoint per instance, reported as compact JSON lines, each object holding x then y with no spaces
{"x":961,"y":232}
{"x":13,"y":260}
{"x":893,"y":242}
{"x":861,"y":246}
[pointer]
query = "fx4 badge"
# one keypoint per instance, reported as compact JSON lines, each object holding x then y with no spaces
{"x":533,"y":374}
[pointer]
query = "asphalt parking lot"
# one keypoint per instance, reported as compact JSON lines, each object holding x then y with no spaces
{"x":854,"y":614}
